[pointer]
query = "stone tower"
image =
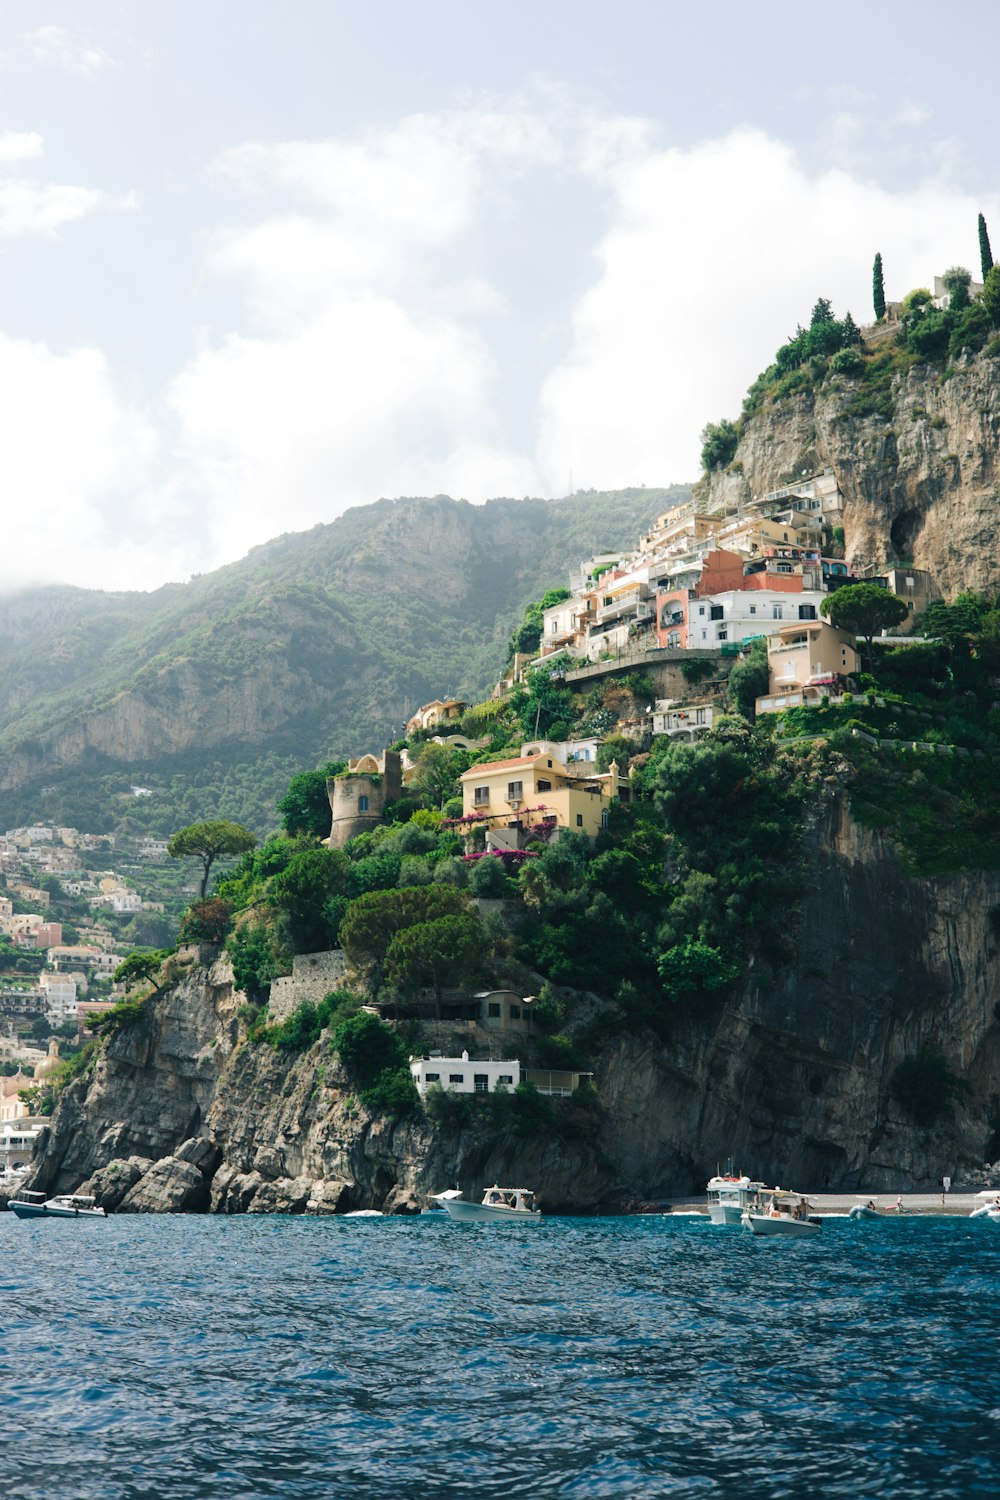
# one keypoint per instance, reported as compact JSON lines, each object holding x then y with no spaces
{"x":359,"y":795}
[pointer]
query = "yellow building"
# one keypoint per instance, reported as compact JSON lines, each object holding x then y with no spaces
{"x":440,"y":711}
{"x":515,"y":797}
{"x":804,"y":662}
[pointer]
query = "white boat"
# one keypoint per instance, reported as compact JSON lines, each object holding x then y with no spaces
{"x":28,"y":1205}
{"x":987,"y":1204}
{"x":513,"y":1205}
{"x":787,"y":1215}
{"x":729,"y":1195}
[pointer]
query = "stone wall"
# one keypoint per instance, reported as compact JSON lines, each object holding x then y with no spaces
{"x":313,"y":976}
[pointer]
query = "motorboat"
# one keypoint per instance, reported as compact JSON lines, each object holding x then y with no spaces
{"x":29,"y":1205}
{"x":510,"y":1205}
{"x":729,"y":1194}
{"x":987,"y":1204}
{"x":786,"y":1215}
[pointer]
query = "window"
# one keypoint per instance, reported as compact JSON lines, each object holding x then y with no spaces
{"x":456,"y":1077}
{"x":604,"y":817}
{"x":674,"y":638}
{"x":579,"y":820}
{"x":515,"y":1012}
{"x":716,"y":612}
{"x":722,"y":635}
{"x":544,"y":786}
{"x":704,"y":635}
{"x":505,"y":1078}
{"x":481,"y":1083}
{"x":701,"y":609}
{"x":514,"y":791}
{"x":553,"y":627}
{"x":481,"y":796}
{"x":777,"y":611}
{"x":493,"y":1009}
{"x":807,"y":611}
{"x":753,"y":609}
{"x":362,"y":804}
{"x":432,"y":1077}
{"x":549,"y":764}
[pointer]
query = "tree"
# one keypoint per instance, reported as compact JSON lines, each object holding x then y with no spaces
{"x":864,"y":609}
{"x":878,"y":289}
{"x":207,"y":921}
{"x":141,"y":968}
{"x":718,"y":444}
{"x":822,"y":312}
{"x":749,"y":678}
{"x":437,"y":771}
{"x":956,"y":281}
{"x":991,"y":294}
{"x":985,"y":253}
{"x":446,"y":951}
{"x":305,"y":807}
{"x":208,"y":841}
{"x":374,"y":919}
{"x":312,"y":893}
{"x":852,"y":333}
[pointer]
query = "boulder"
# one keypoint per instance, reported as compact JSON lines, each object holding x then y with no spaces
{"x":169,"y":1187}
{"x":288,"y":1195}
{"x":329,"y":1196}
{"x":232,"y":1191}
{"x":110,"y":1184}
{"x":202,"y":1152}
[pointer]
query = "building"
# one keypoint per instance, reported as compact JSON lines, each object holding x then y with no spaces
{"x":359,"y":795}
{"x":60,"y":991}
{"x":504,"y":1010}
{"x":705,"y":621}
{"x":686,"y":721}
{"x":440,"y":711}
{"x":529,"y":794}
{"x":805,"y":662}
{"x":460,"y":1075}
{"x":463,"y":1075}
{"x":11,"y":1107}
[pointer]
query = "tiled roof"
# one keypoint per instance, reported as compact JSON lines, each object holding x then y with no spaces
{"x":500,"y":765}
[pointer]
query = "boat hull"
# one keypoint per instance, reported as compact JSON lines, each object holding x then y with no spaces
{"x":469,"y":1213}
{"x":42,"y":1211}
{"x":725,"y":1213}
{"x":765,"y":1226}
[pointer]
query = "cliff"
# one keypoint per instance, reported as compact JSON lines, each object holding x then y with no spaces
{"x":790,"y":1075}
{"x":918,"y":464}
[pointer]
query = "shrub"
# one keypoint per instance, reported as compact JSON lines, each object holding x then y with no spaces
{"x":207,"y":921}
{"x":253,"y":958}
{"x":487,"y":877}
{"x":697,"y":670}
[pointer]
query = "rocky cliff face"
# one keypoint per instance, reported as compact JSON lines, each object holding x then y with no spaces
{"x":922,"y":484}
{"x":790,"y":1076}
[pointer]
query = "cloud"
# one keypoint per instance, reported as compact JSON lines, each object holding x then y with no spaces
{"x":28,"y":207}
{"x":56,"y":46}
{"x":20,"y":146}
{"x":75,"y":464}
{"x":711,"y":257}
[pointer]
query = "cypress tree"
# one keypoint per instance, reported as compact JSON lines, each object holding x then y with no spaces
{"x":878,"y":289}
{"x":985,"y":253}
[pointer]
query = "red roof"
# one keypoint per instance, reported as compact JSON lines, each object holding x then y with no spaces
{"x":500,"y":765}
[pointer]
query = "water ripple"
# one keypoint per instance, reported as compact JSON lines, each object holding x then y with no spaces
{"x":255,"y":1357}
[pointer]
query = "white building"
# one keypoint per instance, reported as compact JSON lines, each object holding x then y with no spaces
{"x":741,"y":614}
{"x":459,"y":1075}
{"x":685,"y":721}
{"x":60,"y":995}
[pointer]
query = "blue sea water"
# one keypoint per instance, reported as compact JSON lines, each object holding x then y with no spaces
{"x":204,"y":1357}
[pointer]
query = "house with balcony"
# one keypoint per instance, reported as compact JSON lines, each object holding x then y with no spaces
{"x":439,"y":711}
{"x":532,"y":795}
{"x":683,"y":721}
{"x":465,"y":1075}
{"x":806,"y":663}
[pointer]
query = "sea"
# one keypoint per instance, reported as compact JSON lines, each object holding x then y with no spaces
{"x":367,"y":1357}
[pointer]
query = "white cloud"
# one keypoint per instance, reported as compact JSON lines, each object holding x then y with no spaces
{"x":74,"y":466}
{"x":712,"y":257}
{"x":28,"y":207}
{"x":56,"y":46}
{"x":20,"y":146}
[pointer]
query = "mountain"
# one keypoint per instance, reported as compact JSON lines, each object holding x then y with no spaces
{"x":316,"y":645}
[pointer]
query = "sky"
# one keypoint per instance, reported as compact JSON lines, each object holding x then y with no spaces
{"x":260,"y":262}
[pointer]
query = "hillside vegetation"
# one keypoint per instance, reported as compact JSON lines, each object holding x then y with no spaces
{"x":211,"y":693}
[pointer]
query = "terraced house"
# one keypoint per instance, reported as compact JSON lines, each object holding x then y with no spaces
{"x":515,"y":798}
